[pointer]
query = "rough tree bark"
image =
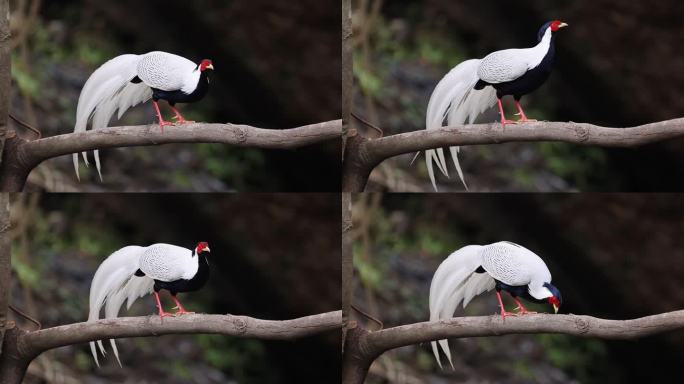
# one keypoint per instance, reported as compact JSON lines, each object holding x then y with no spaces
{"x":362,"y":154}
{"x":23,"y":346}
{"x":347,"y":73}
{"x":5,"y":264}
{"x":5,"y":71}
{"x":22,"y":156}
{"x":347,"y":264}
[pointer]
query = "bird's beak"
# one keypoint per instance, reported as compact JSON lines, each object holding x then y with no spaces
{"x":207,"y":248}
{"x":555,"y":308}
{"x":561,"y":25}
{"x":211,"y":66}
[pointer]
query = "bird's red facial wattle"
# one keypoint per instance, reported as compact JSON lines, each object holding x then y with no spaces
{"x":205,"y":64}
{"x":553,"y":300}
{"x":556,"y":25}
{"x":202,"y":247}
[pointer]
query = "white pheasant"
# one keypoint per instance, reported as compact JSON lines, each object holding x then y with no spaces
{"x":128,"y":80}
{"x":134,"y":271}
{"x":476,"y":85}
{"x":476,"y":269}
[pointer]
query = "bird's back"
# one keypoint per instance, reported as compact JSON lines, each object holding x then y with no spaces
{"x":166,"y":262}
{"x":165,"y":71}
{"x":513,"y":264}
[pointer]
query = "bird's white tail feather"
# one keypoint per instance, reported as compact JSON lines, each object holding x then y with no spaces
{"x":107,"y":90}
{"x":455,"y":281}
{"x":113,"y":283}
{"x":455,"y":101}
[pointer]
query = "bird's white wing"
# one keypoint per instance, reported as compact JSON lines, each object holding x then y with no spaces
{"x":456,"y":281}
{"x":455,"y":101}
{"x":513,"y":264}
{"x":108,"y":89}
{"x":114,"y":281}
{"x":166,"y":262}
{"x":165,"y":71}
{"x":503,"y":66}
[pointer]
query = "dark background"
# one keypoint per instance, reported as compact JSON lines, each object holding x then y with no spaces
{"x":618,"y":64}
{"x":272,"y":256}
{"x":277,"y":66}
{"x":615,"y":256}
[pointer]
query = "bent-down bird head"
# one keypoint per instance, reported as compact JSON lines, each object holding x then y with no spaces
{"x":554,"y":296}
{"x":205,"y":64}
{"x":202,"y":247}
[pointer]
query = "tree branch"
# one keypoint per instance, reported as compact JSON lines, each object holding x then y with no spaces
{"x":23,"y":346}
{"x":347,"y":264}
{"x":368,"y":346}
{"x":22,"y":156}
{"x":364,"y":154}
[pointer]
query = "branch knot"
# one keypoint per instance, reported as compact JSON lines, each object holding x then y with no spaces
{"x":240,"y":325}
{"x":240,"y":134}
{"x":582,"y":325}
{"x":582,"y":133}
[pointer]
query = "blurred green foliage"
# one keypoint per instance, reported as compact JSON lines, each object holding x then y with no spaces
{"x":581,"y":358}
{"x":232,"y":165}
{"x":226,"y":354}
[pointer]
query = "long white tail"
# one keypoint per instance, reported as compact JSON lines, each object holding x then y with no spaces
{"x":454,"y":281}
{"x":107,"y":90}
{"x":113,"y":283}
{"x":455,"y":101}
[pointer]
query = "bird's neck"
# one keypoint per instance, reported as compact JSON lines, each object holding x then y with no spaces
{"x":191,"y":80}
{"x":538,"y":290}
{"x":545,"y":47}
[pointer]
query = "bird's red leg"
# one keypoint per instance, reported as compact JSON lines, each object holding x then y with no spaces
{"x":179,"y":306}
{"x":523,"y":118}
{"x":504,"y":121}
{"x":162,"y":314}
{"x":162,"y":122}
{"x":521,"y":308}
{"x":503,"y":309}
{"x":179,"y":118}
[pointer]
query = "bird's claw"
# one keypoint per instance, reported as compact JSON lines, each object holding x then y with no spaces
{"x":181,"y":311}
{"x":505,"y":314}
{"x":180,"y":120}
{"x":164,"y":123}
{"x":523,"y":311}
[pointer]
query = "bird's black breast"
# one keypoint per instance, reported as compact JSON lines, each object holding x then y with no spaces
{"x":517,"y":291}
{"x":530,"y":81}
{"x":177,"y":96}
{"x":181,"y":285}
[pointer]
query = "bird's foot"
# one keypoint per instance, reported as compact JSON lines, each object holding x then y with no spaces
{"x":506,"y":121}
{"x":524,"y":311}
{"x":182,"y":311}
{"x":505,"y":314}
{"x":163,"y":123}
{"x":163,"y":314}
{"x":180,"y":120}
